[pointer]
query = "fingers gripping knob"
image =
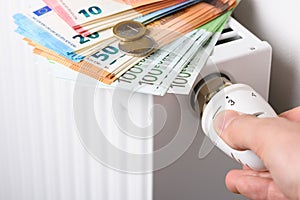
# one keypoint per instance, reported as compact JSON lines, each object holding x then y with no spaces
{"x":214,"y":94}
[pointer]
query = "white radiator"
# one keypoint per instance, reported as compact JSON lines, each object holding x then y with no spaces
{"x":50,"y":141}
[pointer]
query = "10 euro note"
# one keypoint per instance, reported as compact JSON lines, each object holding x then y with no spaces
{"x":216,"y":8}
{"x":79,"y":14}
{"x":98,"y":25}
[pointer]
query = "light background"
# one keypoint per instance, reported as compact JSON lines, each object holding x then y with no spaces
{"x":278,"y":23}
{"x":275,"y":23}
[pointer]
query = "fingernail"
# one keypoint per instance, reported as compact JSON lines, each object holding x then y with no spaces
{"x":223,"y":119}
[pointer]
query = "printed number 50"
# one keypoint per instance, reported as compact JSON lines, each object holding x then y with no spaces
{"x":109,"y":50}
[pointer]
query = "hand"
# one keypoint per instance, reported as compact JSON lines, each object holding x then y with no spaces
{"x":276,"y":141}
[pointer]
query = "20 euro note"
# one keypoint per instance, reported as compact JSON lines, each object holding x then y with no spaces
{"x":42,"y":25}
{"x":79,"y":14}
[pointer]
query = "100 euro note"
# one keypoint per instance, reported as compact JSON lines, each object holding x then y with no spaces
{"x":153,"y":74}
{"x":146,"y":76}
{"x":185,"y":79}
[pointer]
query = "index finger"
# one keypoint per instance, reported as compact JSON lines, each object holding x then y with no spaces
{"x":293,"y":114}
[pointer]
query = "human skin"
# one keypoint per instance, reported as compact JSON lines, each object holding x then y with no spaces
{"x":276,"y":141}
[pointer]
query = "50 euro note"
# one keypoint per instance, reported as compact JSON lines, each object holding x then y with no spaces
{"x":79,"y":14}
{"x":98,"y":66}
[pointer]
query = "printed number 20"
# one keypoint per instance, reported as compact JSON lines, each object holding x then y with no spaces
{"x":94,"y":10}
{"x":83,"y":40}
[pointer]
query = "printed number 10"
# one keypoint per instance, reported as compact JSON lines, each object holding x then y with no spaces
{"x":94,"y":10}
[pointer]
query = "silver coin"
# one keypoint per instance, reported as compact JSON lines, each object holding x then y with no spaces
{"x":139,"y":48}
{"x":129,"y":30}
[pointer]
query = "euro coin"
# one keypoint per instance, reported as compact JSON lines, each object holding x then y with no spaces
{"x":129,"y":30}
{"x":139,"y":48}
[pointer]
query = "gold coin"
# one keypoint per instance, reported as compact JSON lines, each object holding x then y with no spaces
{"x":139,"y":48}
{"x":129,"y":30}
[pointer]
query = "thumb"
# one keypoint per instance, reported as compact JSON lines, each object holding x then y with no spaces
{"x":223,"y":119}
{"x":231,"y":127}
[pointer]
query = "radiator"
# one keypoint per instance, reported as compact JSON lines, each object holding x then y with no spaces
{"x":51,"y":147}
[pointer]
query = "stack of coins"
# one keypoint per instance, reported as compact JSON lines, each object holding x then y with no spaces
{"x":133,"y":38}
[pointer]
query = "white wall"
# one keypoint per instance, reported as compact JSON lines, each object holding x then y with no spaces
{"x":278,"y":23}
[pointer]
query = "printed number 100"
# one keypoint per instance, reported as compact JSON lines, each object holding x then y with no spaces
{"x":94,"y":10}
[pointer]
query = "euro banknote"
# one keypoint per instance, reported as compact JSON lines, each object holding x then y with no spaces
{"x":43,"y":26}
{"x":156,"y":74}
{"x":90,"y":64}
{"x":182,"y":40}
{"x":185,"y":79}
{"x":78,"y":13}
{"x":46,"y":29}
{"x":182,"y":76}
{"x":186,"y":21}
{"x":97,"y":25}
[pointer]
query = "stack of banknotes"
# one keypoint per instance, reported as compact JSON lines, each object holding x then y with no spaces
{"x":147,"y":46}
